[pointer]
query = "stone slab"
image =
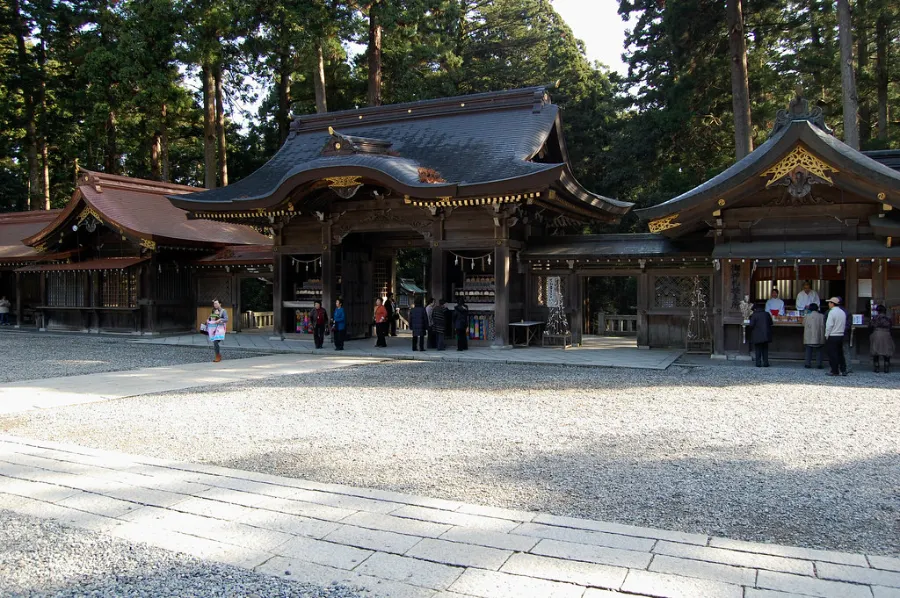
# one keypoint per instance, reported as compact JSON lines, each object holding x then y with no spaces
{"x":491,"y":539}
{"x":858,"y":574}
{"x":491,"y":584}
{"x":625,"y":530}
{"x":585,"y":574}
{"x":463,"y":555}
{"x":409,"y":570}
{"x":703,"y":570}
{"x":351,"y":535}
{"x":579,"y":536}
{"x":841,"y":558}
{"x":323,"y":553}
{"x":593,"y":554}
{"x":809,"y":586}
{"x":661,"y":585}
{"x":732,"y":557}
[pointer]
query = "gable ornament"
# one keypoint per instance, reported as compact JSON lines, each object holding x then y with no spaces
{"x":799,"y":160}
{"x":661,"y":224}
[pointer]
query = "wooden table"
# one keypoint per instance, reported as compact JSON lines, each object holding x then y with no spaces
{"x":532,"y":331}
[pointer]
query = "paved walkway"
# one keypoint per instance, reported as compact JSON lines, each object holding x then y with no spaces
{"x":90,"y":388}
{"x":403,"y":546}
{"x":596,"y":352}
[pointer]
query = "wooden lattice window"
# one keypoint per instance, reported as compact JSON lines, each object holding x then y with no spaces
{"x":677,"y":291}
{"x":173,"y":283}
{"x":67,"y":289}
{"x":119,"y":288}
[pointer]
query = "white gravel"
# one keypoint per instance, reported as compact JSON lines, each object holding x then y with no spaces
{"x":30,"y":356}
{"x":778,"y":455}
{"x":45,"y":559}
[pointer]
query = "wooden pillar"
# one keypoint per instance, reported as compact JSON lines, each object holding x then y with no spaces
{"x":438,"y":265}
{"x":721,"y":299}
{"x":501,"y":295}
{"x":41,"y":314}
{"x":278,"y":294}
{"x":329,"y":279}
{"x":236,"y":302}
{"x":851,"y":286}
{"x":18,"y":299}
{"x":643,"y":306}
{"x":575,"y":300}
{"x":879,"y":280}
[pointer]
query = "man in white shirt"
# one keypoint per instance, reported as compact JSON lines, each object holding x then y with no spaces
{"x":834,"y":337}
{"x":774,"y":303}
{"x":807,"y":297}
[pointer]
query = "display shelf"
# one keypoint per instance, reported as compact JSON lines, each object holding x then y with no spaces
{"x":477,"y":290}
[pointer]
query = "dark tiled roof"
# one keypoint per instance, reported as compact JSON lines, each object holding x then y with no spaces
{"x":141,"y":208}
{"x":15,"y":226}
{"x":477,"y":144}
{"x":239,"y":255}
{"x":890,"y":158}
{"x":829,"y":147}
{"x":603,"y":246}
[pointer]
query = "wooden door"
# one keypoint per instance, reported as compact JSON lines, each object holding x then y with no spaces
{"x":357,"y":292}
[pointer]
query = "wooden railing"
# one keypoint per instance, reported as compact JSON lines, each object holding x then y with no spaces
{"x":616,"y":325}
{"x":251,"y":320}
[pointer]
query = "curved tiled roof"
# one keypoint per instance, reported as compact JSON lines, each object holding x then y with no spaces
{"x":829,"y":147}
{"x":142,"y":209}
{"x":15,"y":226}
{"x":476,"y":144}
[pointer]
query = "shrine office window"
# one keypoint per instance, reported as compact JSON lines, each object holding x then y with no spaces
{"x":119,"y":288}
{"x":67,"y":289}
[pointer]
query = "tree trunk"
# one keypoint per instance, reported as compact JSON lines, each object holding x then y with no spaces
{"x":862,"y":63}
{"x":881,"y":70}
{"x":45,"y":176}
{"x":319,"y":79}
{"x":374,"y":52}
{"x":111,"y":157}
{"x":284,"y":97}
{"x":155,"y":155}
{"x":26,"y":87}
{"x":35,"y":185}
{"x":209,"y":126}
{"x":164,"y":142}
{"x":740,"y":89}
{"x":220,"y":129}
{"x":848,"y":80}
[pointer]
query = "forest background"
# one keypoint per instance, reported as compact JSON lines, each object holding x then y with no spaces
{"x":155,"y":88}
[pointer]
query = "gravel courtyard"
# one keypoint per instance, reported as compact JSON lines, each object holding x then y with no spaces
{"x":45,"y":559}
{"x":779,"y":455}
{"x":30,"y":356}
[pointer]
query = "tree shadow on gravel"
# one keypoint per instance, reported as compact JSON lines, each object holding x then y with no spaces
{"x":412,"y":375}
{"x":854,"y":506}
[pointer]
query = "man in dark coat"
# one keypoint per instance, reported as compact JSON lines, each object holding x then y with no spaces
{"x":393,"y":315}
{"x":418,"y":321}
{"x":319,"y":319}
{"x":461,"y":325}
{"x":439,"y":317}
{"x":760,"y":332}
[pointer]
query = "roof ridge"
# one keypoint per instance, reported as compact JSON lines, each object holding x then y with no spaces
{"x":92,"y":177}
{"x":534,"y":97}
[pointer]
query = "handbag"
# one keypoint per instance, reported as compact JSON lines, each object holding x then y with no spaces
{"x":204,"y":328}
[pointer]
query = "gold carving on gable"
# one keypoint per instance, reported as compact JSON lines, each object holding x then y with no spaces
{"x":42,"y":248}
{"x":661,"y":224}
{"x":148,"y":244}
{"x":89,"y":211}
{"x":341,"y":182}
{"x":799,"y":160}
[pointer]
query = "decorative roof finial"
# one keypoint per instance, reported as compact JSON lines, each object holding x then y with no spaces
{"x":798,"y":109}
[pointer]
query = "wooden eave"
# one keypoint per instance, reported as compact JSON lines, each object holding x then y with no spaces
{"x":852,"y":171}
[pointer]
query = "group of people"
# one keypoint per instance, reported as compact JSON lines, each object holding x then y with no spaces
{"x":435,"y":322}
{"x":829,"y":331}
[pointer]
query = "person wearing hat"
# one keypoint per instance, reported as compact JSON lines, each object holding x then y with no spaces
{"x":834,"y":337}
{"x":880,"y":342}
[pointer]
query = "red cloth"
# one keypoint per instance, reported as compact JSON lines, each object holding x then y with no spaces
{"x":381,"y":314}
{"x":320,"y":317}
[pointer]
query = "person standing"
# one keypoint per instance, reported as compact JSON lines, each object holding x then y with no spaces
{"x":418,"y":321}
{"x":381,"y":323}
{"x":429,"y":310}
{"x":807,"y":297}
{"x":216,"y":326}
{"x":761,"y":334}
{"x":834,"y":337}
{"x":848,"y":329}
{"x":880,"y":342}
{"x":392,"y":314}
{"x":340,"y":325}
{"x":813,"y":334}
{"x":461,"y":324}
{"x":319,"y":319}
{"x":775,"y":304}
{"x":4,"y":311}
{"x":439,"y":324}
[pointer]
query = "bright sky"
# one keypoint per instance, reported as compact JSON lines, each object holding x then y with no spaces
{"x":598,"y":24}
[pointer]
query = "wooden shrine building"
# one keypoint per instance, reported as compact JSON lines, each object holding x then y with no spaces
{"x":121,"y":258}
{"x":471,"y":179}
{"x":802,"y":207}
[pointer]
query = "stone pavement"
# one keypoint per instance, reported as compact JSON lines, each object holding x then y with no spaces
{"x":89,"y":388}
{"x":596,"y":352}
{"x":403,"y":546}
